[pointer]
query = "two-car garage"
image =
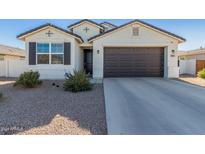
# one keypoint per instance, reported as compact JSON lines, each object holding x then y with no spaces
{"x":136,"y":49}
{"x":133,"y":62}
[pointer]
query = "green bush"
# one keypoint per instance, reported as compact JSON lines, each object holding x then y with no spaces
{"x":28,"y":79}
{"x":79,"y":81}
{"x":201,"y":73}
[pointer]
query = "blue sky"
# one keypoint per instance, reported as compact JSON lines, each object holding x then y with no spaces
{"x":192,"y":30}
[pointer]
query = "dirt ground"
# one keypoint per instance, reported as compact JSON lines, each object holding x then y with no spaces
{"x":192,"y":80}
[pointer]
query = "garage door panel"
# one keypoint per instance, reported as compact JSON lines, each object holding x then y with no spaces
{"x":125,"y":62}
{"x":134,"y":57}
{"x":113,"y":69}
{"x":134,"y":72}
{"x":135,"y":60}
{"x":150,"y":68}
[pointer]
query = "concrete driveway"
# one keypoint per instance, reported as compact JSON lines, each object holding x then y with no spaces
{"x":153,"y":106}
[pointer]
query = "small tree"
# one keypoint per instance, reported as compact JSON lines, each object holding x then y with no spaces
{"x":201,"y":73}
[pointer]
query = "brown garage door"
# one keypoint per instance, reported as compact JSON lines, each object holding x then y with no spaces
{"x":133,"y":62}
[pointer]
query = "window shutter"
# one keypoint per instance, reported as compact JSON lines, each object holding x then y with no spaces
{"x":32,"y":53}
{"x":67,"y":53}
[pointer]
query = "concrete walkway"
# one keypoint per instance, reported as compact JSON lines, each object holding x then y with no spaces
{"x":153,"y":106}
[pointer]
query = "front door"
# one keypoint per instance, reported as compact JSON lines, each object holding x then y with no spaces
{"x":88,"y":61}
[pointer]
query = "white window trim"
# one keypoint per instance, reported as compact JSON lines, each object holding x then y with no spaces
{"x":56,"y":53}
{"x":42,"y":53}
{"x":49,"y":53}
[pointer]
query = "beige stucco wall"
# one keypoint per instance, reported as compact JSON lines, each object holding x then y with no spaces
{"x":93,"y":30}
{"x":78,"y":57}
{"x":146,"y":38}
{"x":53,"y":71}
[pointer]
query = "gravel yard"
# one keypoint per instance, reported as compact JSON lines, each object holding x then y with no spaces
{"x":50,"y":110}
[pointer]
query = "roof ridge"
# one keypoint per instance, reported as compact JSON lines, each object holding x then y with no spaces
{"x":83,"y":20}
{"x":51,"y":25}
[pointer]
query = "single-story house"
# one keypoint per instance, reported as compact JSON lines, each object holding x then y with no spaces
{"x":134,"y":49}
{"x":193,"y":59}
{"x":7,"y":55}
{"x":198,"y":54}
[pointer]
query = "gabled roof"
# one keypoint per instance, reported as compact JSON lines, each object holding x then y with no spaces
{"x":22,"y":35}
{"x":143,"y":23}
{"x":7,"y":50}
{"x":108,"y":24}
{"x":85,"y":20}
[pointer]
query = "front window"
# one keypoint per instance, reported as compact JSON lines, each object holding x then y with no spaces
{"x":57,"y":53}
{"x":50,"y":53}
{"x":42,"y":53}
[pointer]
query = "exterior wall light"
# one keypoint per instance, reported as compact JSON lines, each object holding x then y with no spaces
{"x":98,"y":51}
{"x":173,"y":53}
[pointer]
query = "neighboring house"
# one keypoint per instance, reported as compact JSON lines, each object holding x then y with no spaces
{"x":103,"y":50}
{"x":192,"y":61}
{"x":198,"y":54}
{"x":7,"y":56}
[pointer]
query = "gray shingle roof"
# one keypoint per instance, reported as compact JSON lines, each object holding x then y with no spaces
{"x":84,"y":21}
{"x":51,"y":25}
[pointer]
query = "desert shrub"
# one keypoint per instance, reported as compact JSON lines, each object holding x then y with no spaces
{"x":28,"y":79}
{"x":78,"y":81}
{"x":201,"y":73}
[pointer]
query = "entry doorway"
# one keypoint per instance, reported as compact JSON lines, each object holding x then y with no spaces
{"x":88,"y":61}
